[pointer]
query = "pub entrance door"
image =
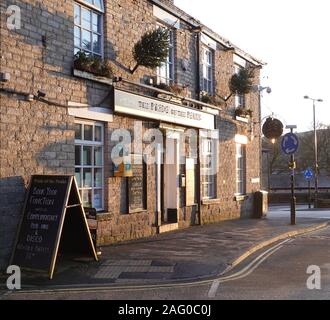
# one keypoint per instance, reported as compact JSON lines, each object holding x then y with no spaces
{"x":168,"y":188}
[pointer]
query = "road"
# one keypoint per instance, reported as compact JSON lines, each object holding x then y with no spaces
{"x":279,"y":272}
{"x":281,"y":211}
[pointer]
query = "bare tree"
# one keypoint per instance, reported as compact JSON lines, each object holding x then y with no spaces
{"x":306,"y":154}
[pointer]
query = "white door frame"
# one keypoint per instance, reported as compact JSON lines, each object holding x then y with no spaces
{"x":171,"y":171}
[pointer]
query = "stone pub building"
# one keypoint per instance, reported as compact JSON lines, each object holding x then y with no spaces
{"x":184,"y":162}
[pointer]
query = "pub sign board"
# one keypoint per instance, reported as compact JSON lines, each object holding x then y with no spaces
{"x":144,"y":107}
{"x":52,"y":206}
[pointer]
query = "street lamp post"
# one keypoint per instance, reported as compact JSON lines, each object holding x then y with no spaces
{"x":316,"y":166}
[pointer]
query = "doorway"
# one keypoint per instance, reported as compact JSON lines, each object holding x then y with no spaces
{"x":168,"y":183}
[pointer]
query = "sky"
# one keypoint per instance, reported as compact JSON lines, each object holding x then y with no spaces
{"x":292,"y":37}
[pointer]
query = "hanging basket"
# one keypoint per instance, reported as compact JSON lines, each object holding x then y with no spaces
{"x":272,"y":128}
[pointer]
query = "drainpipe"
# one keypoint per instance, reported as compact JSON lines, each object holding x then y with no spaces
{"x":198,"y":89}
{"x":198,"y":78}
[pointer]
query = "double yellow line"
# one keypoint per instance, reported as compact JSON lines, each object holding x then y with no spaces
{"x":213,"y":282}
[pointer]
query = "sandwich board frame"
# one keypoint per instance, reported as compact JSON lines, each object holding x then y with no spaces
{"x":65,"y":209}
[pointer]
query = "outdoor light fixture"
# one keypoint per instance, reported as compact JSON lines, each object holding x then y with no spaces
{"x":4,"y":76}
{"x":41,"y":94}
{"x":316,"y":165}
{"x":30,"y":97}
{"x":261,"y":88}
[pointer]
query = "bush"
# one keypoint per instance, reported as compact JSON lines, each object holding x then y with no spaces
{"x":213,"y":100}
{"x":242,"y":112}
{"x":173,"y":88}
{"x":152,"y":49}
{"x":92,"y":64}
{"x":242,"y":82}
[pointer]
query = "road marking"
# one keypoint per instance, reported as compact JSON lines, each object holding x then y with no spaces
{"x":93,"y":289}
{"x":257,"y":259}
{"x":254,"y":267}
{"x":247,"y":270}
{"x":214,"y":289}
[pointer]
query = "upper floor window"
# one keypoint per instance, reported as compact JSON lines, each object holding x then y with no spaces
{"x":239,"y":98}
{"x":165,"y":72}
{"x":208,"y":65}
{"x":88,"y":26}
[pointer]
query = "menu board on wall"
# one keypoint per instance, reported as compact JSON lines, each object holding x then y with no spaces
{"x":137,"y":189}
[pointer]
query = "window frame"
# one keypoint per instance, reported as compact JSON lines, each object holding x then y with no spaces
{"x":93,"y":10}
{"x":240,"y":169}
{"x":205,"y":165}
{"x":208,"y":65}
{"x":87,"y":143}
{"x":169,"y":65}
{"x":240,"y":101}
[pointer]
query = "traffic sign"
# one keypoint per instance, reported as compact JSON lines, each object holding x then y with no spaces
{"x":290,"y":144}
{"x":308,"y":174}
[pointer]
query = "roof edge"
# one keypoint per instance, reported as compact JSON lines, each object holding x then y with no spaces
{"x":182,"y":15}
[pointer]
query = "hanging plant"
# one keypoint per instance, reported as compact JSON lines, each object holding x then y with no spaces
{"x":152,"y":49}
{"x":92,"y":64}
{"x":242,"y":82}
{"x":206,"y":98}
{"x":173,"y":88}
{"x":244,"y":113}
{"x":272,"y":128}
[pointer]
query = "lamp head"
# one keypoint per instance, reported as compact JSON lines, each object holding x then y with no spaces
{"x":306,"y":97}
{"x":319,"y":100}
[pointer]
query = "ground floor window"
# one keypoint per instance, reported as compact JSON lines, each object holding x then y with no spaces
{"x":208,"y":168}
{"x":240,"y":169}
{"x":89,"y":163}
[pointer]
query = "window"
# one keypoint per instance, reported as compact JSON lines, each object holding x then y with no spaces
{"x":240,"y":169}
{"x":239,"y":101}
{"x":207,"y":61}
{"x":89,"y":163}
{"x":88,"y":29}
{"x":165,"y":72}
{"x":208,"y":168}
{"x":239,"y":98}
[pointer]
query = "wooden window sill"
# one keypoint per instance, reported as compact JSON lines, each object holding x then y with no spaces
{"x":92,"y":77}
{"x":211,"y":201}
{"x":241,"y":198}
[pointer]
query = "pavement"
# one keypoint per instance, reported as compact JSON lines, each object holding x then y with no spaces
{"x":189,"y":255}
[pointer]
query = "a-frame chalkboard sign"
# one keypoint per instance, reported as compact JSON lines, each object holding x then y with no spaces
{"x":53,"y":222}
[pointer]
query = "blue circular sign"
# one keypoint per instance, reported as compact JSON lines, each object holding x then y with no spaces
{"x":308,"y":174}
{"x":290,"y":143}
